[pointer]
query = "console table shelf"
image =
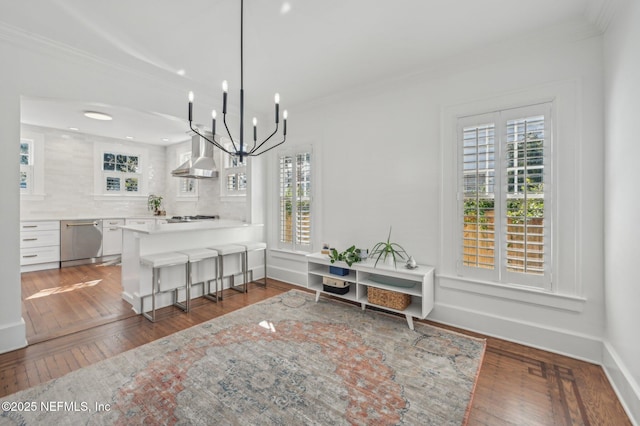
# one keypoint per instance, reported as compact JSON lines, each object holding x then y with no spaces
{"x":362,"y":275}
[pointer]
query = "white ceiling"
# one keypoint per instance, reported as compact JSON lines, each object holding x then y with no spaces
{"x":316,"y":49}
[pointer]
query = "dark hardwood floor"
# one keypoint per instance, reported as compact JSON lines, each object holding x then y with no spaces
{"x":80,"y":324}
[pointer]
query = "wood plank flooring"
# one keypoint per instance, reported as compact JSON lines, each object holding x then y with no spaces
{"x":517,"y":385}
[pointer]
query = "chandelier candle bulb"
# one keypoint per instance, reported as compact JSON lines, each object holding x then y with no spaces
{"x":255,"y":129}
{"x":225,"y":88}
{"x":239,"y":150}
{"x":285,"y":115}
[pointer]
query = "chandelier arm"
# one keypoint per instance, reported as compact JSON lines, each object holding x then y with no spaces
{"x":224,"y":120}
{"x":270,"y":148}
{"x":211,"y":141}
{"x":256,"y":147}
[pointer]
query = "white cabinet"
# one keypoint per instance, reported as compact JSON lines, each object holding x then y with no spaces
{"x":417,"y":283}
{"x":39,"y":245}
{"x":112,"y":237}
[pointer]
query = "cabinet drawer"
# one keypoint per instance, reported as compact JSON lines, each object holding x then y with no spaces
{"x":141,"y":222}
{"x":31,"y":256}
{"x":111,"y":223}
{"x":40,"y":225}
{"x":39,"y":238}
{"x":111,"y":241}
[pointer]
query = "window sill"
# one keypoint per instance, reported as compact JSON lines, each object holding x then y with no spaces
{"x":119,"y":197}
{"x":300,"y":256}
{"x":234,"y":198}
{"x":519,"y":294}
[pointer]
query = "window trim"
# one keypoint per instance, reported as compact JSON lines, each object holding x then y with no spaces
{"x":99,"y":175}
{"x":182,"y":156}
{"x":293,"y":247}
{"x":228,"y":169}
{"x":500,"y":274}
{"x":567,"y":191}
{"x":35,"y":171}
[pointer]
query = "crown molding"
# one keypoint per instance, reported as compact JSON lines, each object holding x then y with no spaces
{"x":602,"y":12}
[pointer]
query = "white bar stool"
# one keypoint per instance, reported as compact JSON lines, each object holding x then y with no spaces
{"x":250,"y":246}
{"x":156,"y":262}
{"x":195,"y":256}
{"x":226,"y":250}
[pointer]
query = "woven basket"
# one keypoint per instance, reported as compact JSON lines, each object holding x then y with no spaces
{"x":388,"y":298}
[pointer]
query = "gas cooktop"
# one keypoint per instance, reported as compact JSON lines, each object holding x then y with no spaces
{"x":180,"y":219}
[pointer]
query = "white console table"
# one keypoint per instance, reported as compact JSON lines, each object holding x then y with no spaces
{"x":362,"y":275}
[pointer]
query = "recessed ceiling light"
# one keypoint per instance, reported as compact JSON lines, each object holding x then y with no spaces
{"x":129,"y":137}
{"x":165,"y":140}
{"x":75,"y":129}
{"x":286,"y":8}
{"x":181,"y":72}
{"x":98,"y":115}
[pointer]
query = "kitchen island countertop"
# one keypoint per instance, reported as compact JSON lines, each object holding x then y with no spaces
{"x":200,"y":225}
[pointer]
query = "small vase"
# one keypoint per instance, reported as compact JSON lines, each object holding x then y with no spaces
{"x":388,"y":260}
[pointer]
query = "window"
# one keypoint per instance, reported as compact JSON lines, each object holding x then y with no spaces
{"x":32,"y":166}
{"x":234,"y":175}
{"x":119,"y":170}
{"x":504,"y":182}
{"x":295,"y":210}
{"x":26,"y":165}
{"x":187,"y":187}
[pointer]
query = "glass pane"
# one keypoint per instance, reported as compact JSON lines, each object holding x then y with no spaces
{"x":525,"y":195}
{"x":132,"y":164}
{"x":24,"y":148}
{"x":24,"y":160}
{"x":23,"y":180}
{"x":108,"y":162}
{"x":131,"y":184}
{"x":113,"y":184}
{"x":478,"y":187}
{"x":121,"y":163}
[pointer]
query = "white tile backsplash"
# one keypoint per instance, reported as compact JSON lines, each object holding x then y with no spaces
{"x":69,"y":174}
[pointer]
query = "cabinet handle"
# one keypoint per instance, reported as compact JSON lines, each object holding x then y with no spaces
{"x":30,"y":255}
{"x":29,"y":239}
{"x":113,"y":223}
{"x":114,"y":229}
{"x":29,"y":226}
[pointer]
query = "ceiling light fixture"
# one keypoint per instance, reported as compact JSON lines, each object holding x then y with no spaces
{"x":240,"y":150}
{"x":98,"y":115}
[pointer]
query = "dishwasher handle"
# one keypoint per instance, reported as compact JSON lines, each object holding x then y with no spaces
{"x":82,"y":224}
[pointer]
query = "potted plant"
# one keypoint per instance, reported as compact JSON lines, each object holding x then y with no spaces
{"x":154,"y":202}
{"x":349,"y":256}
{"x":388,"y":251}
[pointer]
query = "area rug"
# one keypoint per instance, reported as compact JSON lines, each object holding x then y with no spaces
{"x":287,"y":360}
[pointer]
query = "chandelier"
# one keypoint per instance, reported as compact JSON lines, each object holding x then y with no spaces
{"x":240,"y":150}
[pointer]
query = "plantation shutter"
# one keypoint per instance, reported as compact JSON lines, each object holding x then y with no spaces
{"x":478,"y":194}
{"x":295,"y":201}
{"x":504,"y":183}
{"x":286,"y":201}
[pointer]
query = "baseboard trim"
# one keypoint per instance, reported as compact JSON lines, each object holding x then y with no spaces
{"x":623,"y":383}
{"x":288,"y":276}
{"x":563,"y":342}
{"x":13,"y":336}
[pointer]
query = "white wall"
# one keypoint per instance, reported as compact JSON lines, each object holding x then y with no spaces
{"x":622,"y":289}
{"x":379,"y":157}
{"x":30,"y":68}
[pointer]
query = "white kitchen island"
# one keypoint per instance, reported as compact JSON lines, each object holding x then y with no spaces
{"x":140,"y":240}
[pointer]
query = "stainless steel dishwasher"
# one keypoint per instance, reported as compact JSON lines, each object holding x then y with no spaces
{"x":80,"y":242}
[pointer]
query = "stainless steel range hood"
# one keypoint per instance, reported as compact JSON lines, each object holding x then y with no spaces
{"x":201,"y":164}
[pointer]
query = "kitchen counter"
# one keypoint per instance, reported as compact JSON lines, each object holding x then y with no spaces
{"x":140,"y":240}
{"x":179,"y":227}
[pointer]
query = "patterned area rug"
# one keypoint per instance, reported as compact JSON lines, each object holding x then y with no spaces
{"x":284,"y":361}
